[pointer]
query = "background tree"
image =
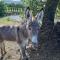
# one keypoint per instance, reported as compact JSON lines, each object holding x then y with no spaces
{"x":58,"y":10}
{"x":35,"y":5}
{"x":2,"y":9}
{"x":46,"y":33}
{"x":59,"y":5}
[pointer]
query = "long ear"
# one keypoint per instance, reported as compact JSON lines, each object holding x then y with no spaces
{"x":39,"y":17}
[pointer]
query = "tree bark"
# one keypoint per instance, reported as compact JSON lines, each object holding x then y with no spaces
{"x":45,"y":35}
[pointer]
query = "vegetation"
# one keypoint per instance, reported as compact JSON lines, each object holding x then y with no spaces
{"x":7,"y":21}
{"x":34,"y":5}
{"x":2,"y":9}
{"x":58,"y":10}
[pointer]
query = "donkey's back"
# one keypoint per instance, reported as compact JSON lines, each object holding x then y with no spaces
{"x":8,"y":33}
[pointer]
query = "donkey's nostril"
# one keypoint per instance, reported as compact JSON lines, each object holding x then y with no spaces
{"x":29,"y":28}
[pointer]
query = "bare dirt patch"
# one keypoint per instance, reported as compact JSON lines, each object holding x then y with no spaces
{"x":12,"y":50}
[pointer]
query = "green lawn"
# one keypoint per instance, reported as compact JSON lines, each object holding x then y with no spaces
{"x":7,"y":21}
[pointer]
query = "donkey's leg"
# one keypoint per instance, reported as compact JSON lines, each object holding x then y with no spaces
{"x":4,"y":48}
{"x":1,"y":52}
{"x":21,"y":54}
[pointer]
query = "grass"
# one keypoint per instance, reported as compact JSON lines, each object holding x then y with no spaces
{"x":7,"y":21}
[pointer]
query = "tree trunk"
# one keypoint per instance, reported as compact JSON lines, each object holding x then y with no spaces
{"x":47,"y":44}
{"x":45,"y":35}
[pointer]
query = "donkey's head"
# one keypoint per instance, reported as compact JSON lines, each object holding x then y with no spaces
{"x":34,"y":29}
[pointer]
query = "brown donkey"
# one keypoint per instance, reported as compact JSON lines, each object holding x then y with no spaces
{"x":19,"y":34}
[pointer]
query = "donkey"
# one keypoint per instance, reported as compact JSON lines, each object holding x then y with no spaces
{"x":28,"y":34}
{"x":19,"y":34}
{"x":22,"y":35}
{"x":6,"y":33}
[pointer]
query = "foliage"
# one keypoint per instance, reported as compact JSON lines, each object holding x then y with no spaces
{"x":34,"y":5}
{"x":2,"y":11}
{"x":58,"y":10}
{"x":12,"y":5}
{"x":59,"y":5}
{"x":6,"y":8}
